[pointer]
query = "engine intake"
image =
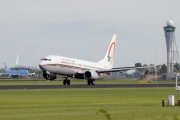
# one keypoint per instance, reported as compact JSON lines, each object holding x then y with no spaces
{"x":52,"y":76}
{"x":49,"y":76}
{"x":91,"y":75}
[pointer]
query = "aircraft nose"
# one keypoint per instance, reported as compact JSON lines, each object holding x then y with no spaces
{"x":41,"y":64}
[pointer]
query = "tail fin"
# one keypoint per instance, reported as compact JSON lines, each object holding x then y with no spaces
{"x":109,"y":57}
{"x":5,"y":67}
{"x":17,"y":60}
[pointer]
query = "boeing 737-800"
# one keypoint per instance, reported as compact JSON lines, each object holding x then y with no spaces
{"x":53,"y":65}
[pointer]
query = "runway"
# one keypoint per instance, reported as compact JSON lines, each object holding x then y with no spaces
{"x":9,"y":87}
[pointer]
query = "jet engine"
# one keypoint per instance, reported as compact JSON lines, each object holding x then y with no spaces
{"x":52,"y":77}
{"x":91,"y":75}
{"x":49,"y":76}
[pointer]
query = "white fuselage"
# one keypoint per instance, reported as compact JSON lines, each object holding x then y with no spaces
{"x":68,"y":66}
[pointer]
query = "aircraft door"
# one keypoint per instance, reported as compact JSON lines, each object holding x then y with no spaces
{"x":57,"y":62}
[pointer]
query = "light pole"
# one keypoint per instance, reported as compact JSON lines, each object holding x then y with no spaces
{"x":155,"y":66}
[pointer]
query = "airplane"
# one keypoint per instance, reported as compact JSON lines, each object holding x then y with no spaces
{"x":53,"y":65}
{"x":16,"y":73}
{"x":22,"y":66}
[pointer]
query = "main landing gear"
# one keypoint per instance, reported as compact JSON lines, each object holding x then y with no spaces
{"x":66,"y":81}
{"x":90,"y":82}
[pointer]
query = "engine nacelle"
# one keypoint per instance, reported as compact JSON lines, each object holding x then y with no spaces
{"x":49,"y":76}
{"x":91,"y":75}
{"x":52,"y":77}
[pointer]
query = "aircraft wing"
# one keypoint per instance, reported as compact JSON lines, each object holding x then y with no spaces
{"x":121,"y":69}
{"x":9,"y":75}
{"x":137,"y":67}
{"x":112,"y":70}
{"x":1,"y":74}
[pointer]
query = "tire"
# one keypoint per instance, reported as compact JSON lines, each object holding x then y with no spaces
{"x":68,"y":82}
{"x":92,"y":82}
{"x":88,"y":82}
{"x":64,"y":82}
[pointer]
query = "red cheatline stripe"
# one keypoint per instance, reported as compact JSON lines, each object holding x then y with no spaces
{"x":78,"y":68}
{"x":67,"y":66}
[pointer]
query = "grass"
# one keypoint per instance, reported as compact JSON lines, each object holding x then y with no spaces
{"x":87,"y":104}
{"x":77,"y":81}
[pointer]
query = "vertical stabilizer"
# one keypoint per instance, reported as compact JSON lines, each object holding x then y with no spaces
{"x":109,"y":57}
{"x":5,"y":67}
{"x":17,"y":60}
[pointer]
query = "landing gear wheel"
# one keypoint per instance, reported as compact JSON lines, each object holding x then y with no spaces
{"x":66,"y":82}
{"x":90,"y":82}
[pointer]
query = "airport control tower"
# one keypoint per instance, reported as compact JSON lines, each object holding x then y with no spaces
{"x":171,"y":48}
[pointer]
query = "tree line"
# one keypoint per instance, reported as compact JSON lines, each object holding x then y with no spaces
{"x":159,"y":69}
{"x":151,"y":70}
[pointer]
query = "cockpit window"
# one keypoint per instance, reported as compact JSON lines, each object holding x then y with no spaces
{"x":46,"y":59}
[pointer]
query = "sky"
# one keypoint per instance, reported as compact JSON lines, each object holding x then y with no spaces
{"x":83,"y":29}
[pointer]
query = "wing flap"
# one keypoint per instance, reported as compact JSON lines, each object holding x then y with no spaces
{"x":121,"y":69}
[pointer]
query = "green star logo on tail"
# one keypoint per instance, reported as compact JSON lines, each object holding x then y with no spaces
{"x":109,"y":58}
